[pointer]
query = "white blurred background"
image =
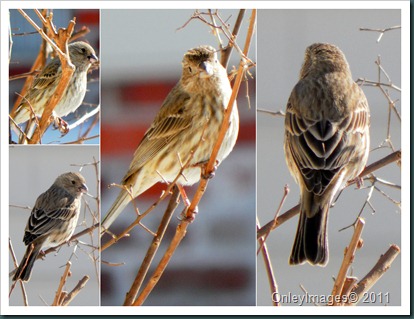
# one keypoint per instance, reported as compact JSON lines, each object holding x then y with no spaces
{"x":283,"y":36}
{"x":215,"y":264}
{"x":33,"y":169}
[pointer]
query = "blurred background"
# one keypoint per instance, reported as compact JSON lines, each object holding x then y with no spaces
{"x":25,"y":48}
{"x":33,"y":169}
{"x":215,"y":264}
{"x":283,"y":36}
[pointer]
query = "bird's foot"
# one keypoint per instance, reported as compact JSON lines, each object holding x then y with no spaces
{"x":359,"y":182}
{"x":187,"y":215}
{"x":209,"y":174}
{"x":42,"y":254}
{"x":61,"y":125}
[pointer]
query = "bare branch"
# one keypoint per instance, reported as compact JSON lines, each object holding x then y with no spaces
{"x":269,"y":270}
{"x":383,"y":264}
{"x":346,"y":262}
{"x":58,"y":296}
{"x":70,"y":296}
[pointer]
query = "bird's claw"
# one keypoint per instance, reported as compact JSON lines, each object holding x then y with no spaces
{"x":187,"y":215}
{"x":210,"y":174}
{"x":359,"y":182}
{"x":62,"y":125}
{"x":42,"y":254}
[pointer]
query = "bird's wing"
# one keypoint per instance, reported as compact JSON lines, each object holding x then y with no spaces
{"x":321,"y":148}
{"x":48,"y":75}
{"x":171,"y":120}
{"x":49,"y":213}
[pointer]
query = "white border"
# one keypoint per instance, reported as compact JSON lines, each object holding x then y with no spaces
{"x":405,"y":62}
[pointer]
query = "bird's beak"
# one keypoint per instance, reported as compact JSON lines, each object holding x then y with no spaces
{"x":93,"y":58}
{"x":83,"y":188}
{"x":206,"y":69}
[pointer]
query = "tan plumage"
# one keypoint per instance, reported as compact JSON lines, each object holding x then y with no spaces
{"x":326,"y":143}
{"x":82,"y":55}
{"x":53,"y":219}
{"x":194,"y":108}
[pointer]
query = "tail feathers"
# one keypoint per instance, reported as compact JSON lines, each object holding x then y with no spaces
{"x":311,"y":244}
{"x":117,"y":207}
{"x":24,"y":271}
{"x":20,"y":115}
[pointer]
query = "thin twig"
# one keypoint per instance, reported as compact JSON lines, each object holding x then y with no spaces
{"x":269,"y":270}
{"x":346,"y":262}
{"x":381,"y":31}
{"x":273,"y":113}
{"x":264,"y":238}
{"x":16,"y":264}
{"x":226,"y":52}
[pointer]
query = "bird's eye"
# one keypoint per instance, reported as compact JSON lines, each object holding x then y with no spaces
{"x":73,"y":182}
{"x":83,"y":50}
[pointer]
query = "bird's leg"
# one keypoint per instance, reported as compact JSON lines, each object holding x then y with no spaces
{"x":187,"y":204}
{"x":61,"y":124}
{"x":183,"y":195}
{"x":42,"y":254}
{"x":188,"y":216}
{"x":204,"y":174}
{"x":359,"y":182}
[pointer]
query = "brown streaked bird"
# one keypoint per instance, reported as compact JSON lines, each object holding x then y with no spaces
{"x":193,"y":109}
{"x":53,"y":219}
{"x":82,"y":55}
{"x":326,"y":143}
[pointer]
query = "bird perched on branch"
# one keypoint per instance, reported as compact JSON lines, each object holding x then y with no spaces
{"x":53,"y":219}
{"x":82,"y":55}
{"x":326,"y":143}
{"x":189,"y":121}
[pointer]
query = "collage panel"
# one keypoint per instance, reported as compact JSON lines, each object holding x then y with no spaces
{"x":301,"y":146}
{"x":54,"y":195}
{"x":36,"y":75}
{"x":215,"y":261}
